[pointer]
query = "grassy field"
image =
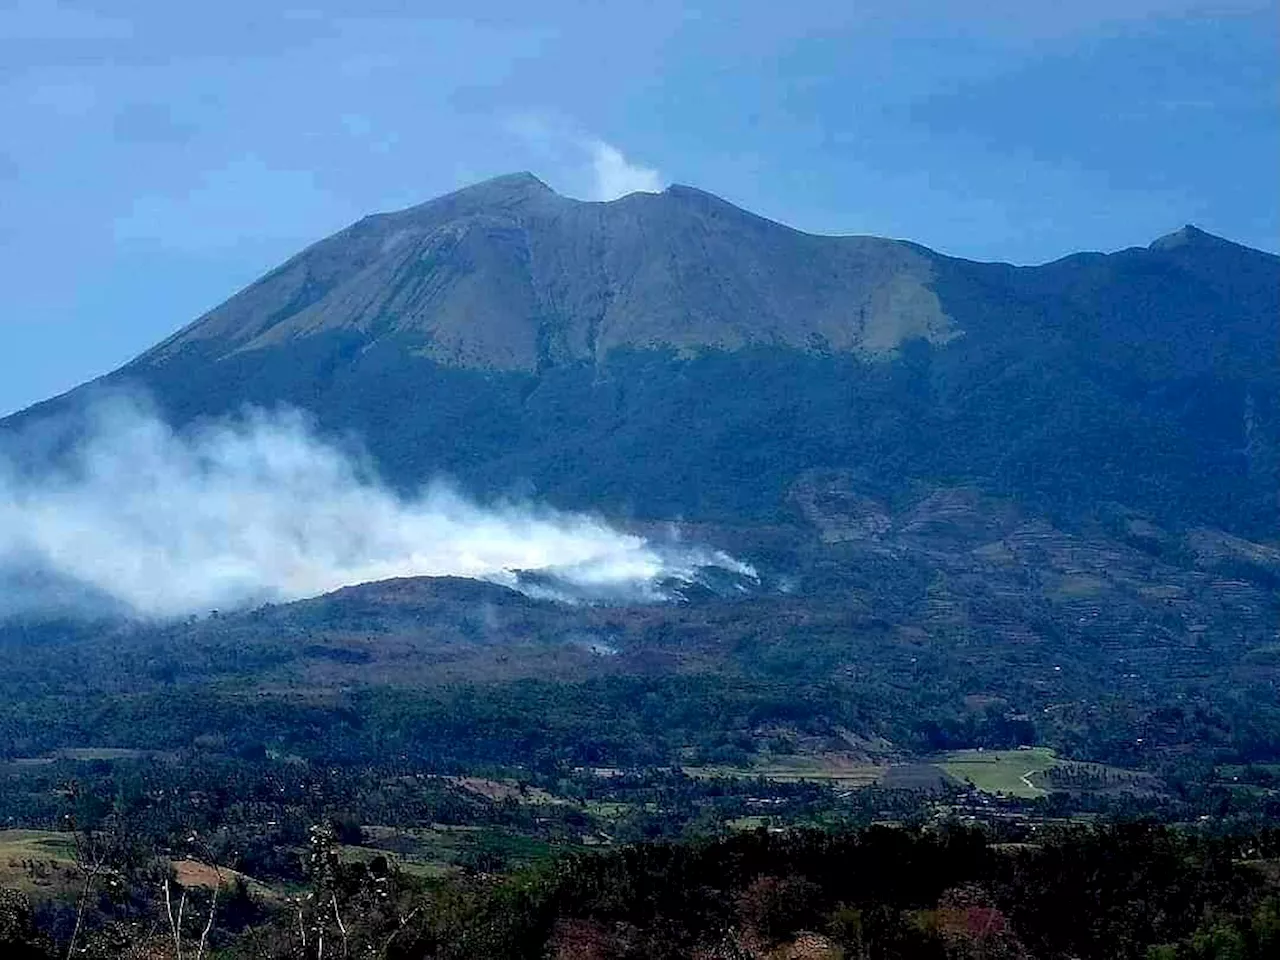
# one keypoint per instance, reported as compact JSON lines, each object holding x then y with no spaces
{"x":36,"y":862}
{"x":1008,"y":772}
{"x":440,"y":849}
{"x":748,"y":823}
{"x":835,"y":770}
{"x":1235,"y":771}
{"x":500,"y":790}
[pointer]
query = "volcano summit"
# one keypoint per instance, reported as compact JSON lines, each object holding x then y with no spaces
{"x":670,"y":355}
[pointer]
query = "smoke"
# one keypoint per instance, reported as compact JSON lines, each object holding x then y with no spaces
{"x":258,"y":508}
{"x":615,"y":176}
{"x":589,"y":167}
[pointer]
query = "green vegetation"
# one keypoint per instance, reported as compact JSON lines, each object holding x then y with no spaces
{"x":35,"y":860}
{"x":1009,"y":772}
{"x":1120,"y":892}
{"x":836,"y":770}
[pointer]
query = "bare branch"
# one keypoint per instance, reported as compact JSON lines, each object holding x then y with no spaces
{"x":302,"y":930}
{"x":173,"y":924}
{"x":90,"y":859}
{"x":182,"y":907}
{"x":213,"y":907}
{"x":404,"y":922}
{"x":342,"y":928}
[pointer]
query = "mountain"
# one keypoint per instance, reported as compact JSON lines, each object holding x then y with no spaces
{"x":669,"y":354}
{"x":508,"y":275}
{"x":1013,"y":563}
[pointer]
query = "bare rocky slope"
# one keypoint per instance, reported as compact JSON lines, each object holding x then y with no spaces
{"x":508,"y":275}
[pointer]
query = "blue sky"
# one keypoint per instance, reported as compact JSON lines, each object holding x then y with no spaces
{"x":155,"y":157}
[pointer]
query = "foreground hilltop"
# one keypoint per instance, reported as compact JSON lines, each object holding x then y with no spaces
{"x":670,"y":354}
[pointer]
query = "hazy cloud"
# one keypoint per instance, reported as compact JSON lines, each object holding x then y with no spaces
{"x":36,"y":20}
{"x":149,"y":123}
{"x":258,"y":508}
{"x":246,"y":199}
{"x":69,"y":99}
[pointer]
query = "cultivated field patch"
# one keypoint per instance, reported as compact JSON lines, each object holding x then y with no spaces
{"x":1009,"y":772}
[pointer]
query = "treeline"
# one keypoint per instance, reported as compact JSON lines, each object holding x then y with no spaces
{"x":1111,"y":891}
{"x":627,"y":721}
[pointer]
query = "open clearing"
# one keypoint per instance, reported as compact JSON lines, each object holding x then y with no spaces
{"x":1009,"y":772}
{"x":826,"y":768}
{"x":500,"y":790}
{"x":37,"y":861}
{"x":440,"y":848}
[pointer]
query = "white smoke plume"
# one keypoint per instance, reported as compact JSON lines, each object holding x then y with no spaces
{"x":615,"y":176}
{"x":258,"y":508}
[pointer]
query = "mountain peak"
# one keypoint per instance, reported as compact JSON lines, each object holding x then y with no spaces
{"x":1186,"y":236}
{"x":510,"y":187}
{"x":505,"y":191}
{"x":521,"y":180}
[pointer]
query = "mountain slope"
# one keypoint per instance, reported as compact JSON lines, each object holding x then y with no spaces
{"x":508,"y":275}
{"x":671,"y":355}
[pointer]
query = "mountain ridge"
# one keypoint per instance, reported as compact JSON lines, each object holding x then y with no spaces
{"x":474,"y":244}
{"x":460,"y":272}
{"x":669,"y":354}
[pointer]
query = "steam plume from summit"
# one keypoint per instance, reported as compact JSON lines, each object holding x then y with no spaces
{"x":259,"y":508}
